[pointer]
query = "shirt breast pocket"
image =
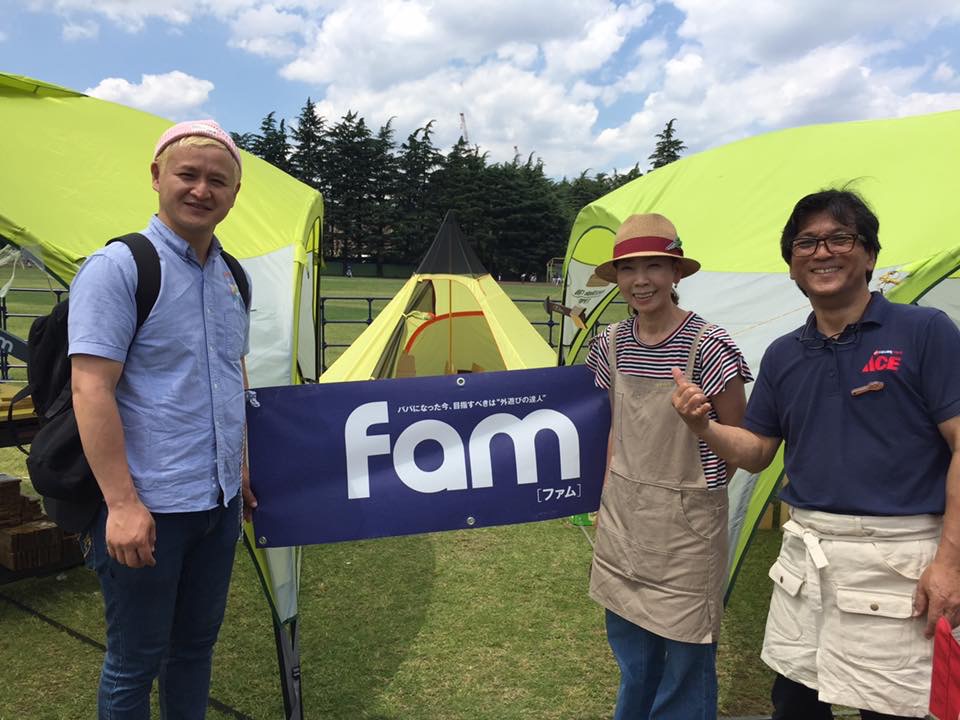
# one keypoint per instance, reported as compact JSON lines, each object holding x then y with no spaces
{"x":233,"y":333}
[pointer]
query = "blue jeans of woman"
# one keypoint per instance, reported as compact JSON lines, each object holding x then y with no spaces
{"x":163,"y":621}
{"x":661,"y":679}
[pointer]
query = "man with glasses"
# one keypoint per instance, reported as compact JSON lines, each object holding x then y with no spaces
{"x":866,"y":398}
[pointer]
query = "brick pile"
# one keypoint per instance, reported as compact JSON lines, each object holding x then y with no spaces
{"x":28,"y":539}
{"x":31,"y":545}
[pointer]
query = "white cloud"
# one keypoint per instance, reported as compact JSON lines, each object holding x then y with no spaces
{"x":504,"y":106}
{"x":760,"y":31}
{"x":584,"y":83}
{"x":944,"y":73}
{"x":729,"y":80}
{"x":3,"y":36}
{"x":175,"y":95}
{"x":648,"y":64}
{"x":522,"y":55}
{"x":267,"y":31}
{"x":131,"y":15}
{"x":376,"y":43}
{"x":829,"y":84}
{"x":722,"y":79}
{"x":601,"y":38}
{"x":922,"y":103}
{"x":81,"y":31}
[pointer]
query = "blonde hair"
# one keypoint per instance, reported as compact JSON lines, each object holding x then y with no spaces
{"x":195,"y":141}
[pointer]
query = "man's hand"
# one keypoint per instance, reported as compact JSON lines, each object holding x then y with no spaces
{"x":938,"y":593}
{"x":249,"y":499}
{"x":131,"y":534}
{"x":690,"y":403}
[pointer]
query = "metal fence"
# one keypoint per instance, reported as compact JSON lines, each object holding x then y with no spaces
{"x":348,"y":300}
{"x":8,"y":361}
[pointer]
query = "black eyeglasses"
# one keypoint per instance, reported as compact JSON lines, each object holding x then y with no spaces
{"x":836,"y":244}
{"x":848,"y":336}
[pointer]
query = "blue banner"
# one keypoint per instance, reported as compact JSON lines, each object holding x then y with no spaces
{"x":347,"y":461}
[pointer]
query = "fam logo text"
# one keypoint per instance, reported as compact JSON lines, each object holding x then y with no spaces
{"x":456,"y":457}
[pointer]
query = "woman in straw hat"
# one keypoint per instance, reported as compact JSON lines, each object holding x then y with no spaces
{"x":660,"y":560}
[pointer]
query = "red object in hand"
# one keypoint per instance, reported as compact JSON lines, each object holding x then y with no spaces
{"x":945,"y":683}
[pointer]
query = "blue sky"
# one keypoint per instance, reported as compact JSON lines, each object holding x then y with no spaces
{"x":581,"y":83}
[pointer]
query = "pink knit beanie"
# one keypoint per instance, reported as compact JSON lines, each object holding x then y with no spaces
{"x":205,"y":128}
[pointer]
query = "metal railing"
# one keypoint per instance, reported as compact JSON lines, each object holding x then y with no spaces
{"x":549,"y":322}
{"x":6,"y":365}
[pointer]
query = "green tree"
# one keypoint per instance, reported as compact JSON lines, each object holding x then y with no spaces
{"x":668,"y":147}
{"x":382,"y":181}
{"x":528,"y":222}
{"x":418,"y":213}
{"x":308,"y":158}
{"x":620,"y":179}
{"x":271,"y":142}
{"x":349,"y":160}
{"x":459,"y":184}
{"x":581,"y":191}
{"x":244,"y":141}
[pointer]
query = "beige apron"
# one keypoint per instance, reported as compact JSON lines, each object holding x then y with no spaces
{"x":661,"y":546}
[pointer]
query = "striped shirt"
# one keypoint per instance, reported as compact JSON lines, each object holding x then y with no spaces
{"x":718,"y":361}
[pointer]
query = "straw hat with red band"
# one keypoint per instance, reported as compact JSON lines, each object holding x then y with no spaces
{"x":648,"y":235}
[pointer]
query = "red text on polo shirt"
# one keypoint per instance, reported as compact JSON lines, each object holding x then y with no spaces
{"x":883,"y":360}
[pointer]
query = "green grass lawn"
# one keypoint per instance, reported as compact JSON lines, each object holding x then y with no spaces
{"x":489,"y":623}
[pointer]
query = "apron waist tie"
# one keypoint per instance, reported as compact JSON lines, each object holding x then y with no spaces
{"x":815,"y":551}
{"x":819,"y":561}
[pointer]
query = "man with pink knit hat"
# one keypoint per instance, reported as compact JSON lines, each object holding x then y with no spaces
{"x":160,"y":408}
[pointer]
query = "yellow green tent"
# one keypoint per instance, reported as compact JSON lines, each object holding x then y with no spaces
{"x":730,"y":204}
{"x":76,"y":173}
{"x":451,"y":316}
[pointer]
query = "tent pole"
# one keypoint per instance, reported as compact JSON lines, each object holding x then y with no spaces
{"x":287,"y":636}
{"x":453,"y":370}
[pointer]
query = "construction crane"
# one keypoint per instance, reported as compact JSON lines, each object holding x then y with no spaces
{"x":463,"y":128}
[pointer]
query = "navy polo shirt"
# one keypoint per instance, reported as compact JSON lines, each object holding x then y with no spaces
{"x":875,"y":453}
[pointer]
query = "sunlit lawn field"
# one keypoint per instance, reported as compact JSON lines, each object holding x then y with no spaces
{"x":490,"y":623}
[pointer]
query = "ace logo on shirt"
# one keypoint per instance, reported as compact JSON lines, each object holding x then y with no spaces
{"x":884,"y":360}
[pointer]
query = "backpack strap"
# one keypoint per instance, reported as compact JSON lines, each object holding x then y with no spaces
{"x":148,"y":289}
{"x":148,"y":272}
{"x":239,"y":276}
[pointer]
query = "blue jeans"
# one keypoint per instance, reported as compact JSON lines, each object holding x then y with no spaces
{"x":163,"y":620}
{"x":662,"y":679}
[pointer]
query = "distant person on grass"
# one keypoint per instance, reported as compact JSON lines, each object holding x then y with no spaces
{"x":162,"y":425}
{"x":659,"y":565}
{"x":866,"y":397}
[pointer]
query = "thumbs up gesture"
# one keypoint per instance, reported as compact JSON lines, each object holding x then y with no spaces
{"x":690,"y":403}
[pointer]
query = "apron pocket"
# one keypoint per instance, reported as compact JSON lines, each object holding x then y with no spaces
{"x":907,"y":558}
{"x":650,"y":566}
{"x":785,"y":603}
{"x":704,"y":512}
{"x":877,"y":628}
{"x":788,"y":580}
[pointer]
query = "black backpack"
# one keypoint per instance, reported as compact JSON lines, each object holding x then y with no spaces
{"x":57,"y":466}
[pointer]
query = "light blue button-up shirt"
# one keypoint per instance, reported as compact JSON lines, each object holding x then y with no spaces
{"x":180,"y":395}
